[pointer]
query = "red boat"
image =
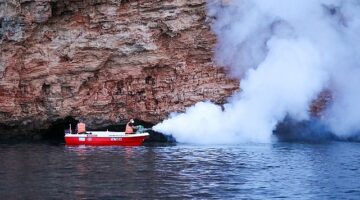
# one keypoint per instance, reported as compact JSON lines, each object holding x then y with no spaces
{"x":102,"y":138}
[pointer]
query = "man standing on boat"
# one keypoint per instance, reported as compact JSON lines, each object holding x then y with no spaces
{"x":81,"y":128}
{"x":130,"y":127}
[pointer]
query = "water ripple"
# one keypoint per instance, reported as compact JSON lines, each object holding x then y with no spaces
{"x":253,"y":171}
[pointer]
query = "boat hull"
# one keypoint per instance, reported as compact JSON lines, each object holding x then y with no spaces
{"x":106,"y":139}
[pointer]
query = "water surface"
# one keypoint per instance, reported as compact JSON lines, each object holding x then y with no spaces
{"x":253,"y":171}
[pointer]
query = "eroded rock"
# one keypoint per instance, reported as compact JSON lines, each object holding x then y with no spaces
{"x":105,"y":61}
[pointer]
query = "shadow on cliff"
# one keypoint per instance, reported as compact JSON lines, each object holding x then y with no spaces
{"x":56,"y":130}
{"x":55,"y":133}
{"x":310,"y":131}
{"x":155,"y":137}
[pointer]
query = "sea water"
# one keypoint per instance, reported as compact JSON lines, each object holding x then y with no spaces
{"x":328,"y":170}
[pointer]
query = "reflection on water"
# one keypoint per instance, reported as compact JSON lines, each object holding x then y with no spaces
{"x":256,"y":171}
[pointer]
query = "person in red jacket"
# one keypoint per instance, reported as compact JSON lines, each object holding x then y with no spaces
{"x":130,"y":127}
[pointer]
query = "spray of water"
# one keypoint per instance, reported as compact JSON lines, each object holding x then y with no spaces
{"x":285,"y":53}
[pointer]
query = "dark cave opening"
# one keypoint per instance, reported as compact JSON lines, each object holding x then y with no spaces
{"x":57,"y":129}
{"x":155,"y":137}
{"x":305,"y":131}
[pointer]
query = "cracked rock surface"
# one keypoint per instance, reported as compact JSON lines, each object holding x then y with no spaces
{"x":105,"y":61}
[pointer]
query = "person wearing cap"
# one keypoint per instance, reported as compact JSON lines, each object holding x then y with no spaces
{"x":130,"y":127}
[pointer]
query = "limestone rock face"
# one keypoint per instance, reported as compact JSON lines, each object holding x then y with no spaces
{"x":105,"y":61}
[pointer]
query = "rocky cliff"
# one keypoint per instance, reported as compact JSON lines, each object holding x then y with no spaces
{"x":104,"y":61}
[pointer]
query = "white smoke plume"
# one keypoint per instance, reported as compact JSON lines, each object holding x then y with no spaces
{"x":285,"y":53}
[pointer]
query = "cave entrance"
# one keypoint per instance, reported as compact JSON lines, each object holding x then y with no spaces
{"x":55,"y":132}
{"x":57,"y":129}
